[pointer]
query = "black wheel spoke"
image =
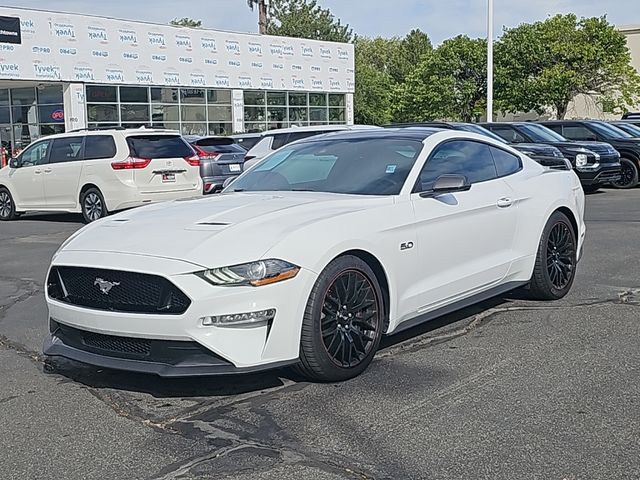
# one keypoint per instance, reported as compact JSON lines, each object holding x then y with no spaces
{"x":560,"y":255}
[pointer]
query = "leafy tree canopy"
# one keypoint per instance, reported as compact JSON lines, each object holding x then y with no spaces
{"x":186,"y":22}
{"x":305,"y":19}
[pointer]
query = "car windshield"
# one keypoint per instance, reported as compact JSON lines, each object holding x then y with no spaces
{"x":369,"y":166}
{"x":630,"y":128}
{"x":540,"y":133}
{"x":469,"y":127}
{"x":609,"y":132}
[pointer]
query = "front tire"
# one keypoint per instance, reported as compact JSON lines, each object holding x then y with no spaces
{"x":7,"y":206}
{"x":93,"y":205}
{"x":628,"y":174}
{"x":556,"y":260}
{"x":343,"y":322}
{"x":591,"y":188}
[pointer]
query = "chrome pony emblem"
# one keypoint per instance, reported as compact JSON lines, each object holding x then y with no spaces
{"x":105,"y":285}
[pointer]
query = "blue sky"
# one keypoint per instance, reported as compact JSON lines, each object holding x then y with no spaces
{"x":441,"y":19}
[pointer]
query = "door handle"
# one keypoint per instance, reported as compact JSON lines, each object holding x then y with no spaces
{"x":48,"y":170}
{"x":504,"y":202}
{"x":37,"y":172}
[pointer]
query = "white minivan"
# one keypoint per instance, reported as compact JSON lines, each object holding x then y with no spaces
{"x":95,"y":172}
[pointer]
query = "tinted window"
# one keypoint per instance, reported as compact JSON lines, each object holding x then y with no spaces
{"x":506,"y":163}
{"x":300,"y":135}
{"x":158,"y":146}
{"x":233,"y":148}
{"x":459,"y":157}
{"x":280,"y":140}
{"x":578,"y":132}
{"x":555,"y":127}
{"x":508,"y":134}
{"x":608,"y":132}
{"x":540,"y":133}
{"x":372,"y":166}
{"x":99,"y":146}
{"x":248,"y":142}
{"x":35,"y":154}
{"x":67,"y":149}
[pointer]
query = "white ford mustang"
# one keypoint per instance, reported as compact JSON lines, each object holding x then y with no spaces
{"x":312,"y":255}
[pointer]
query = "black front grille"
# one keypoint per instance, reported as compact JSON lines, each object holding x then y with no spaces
{"x":110,"y":343}
{"x":116,"y":290}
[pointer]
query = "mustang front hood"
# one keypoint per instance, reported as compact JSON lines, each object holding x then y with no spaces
{"x":214,"y":231}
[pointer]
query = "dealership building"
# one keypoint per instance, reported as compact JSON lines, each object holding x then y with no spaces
{"x":61,"y":71}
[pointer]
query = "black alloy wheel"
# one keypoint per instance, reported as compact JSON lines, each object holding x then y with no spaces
{"x":556,"y":260}
{"x":628,"y":174}
{"x":93,"y":205}
{"x":350,"y":319}
{"x":7,"y":207}
{"x":343,"y":322}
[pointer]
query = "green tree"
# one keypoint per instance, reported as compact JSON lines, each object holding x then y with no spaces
{"x":262,"y":13}
{"x":186,"y":22}
{"x":305,"y":19}
{"x":450,"y":83}
{"x":546,"y":64}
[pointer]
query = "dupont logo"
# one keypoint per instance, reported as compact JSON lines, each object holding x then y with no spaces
{"x":40,"y":50}
{"x":296,"y":68}
{"x":307,"y":51}
{"x":171,"y":78}
{"x":144,"y":76}
{"x":351,"y":71}
{"x":68,"y":51}
{"x":325,"y":52}
{"x":99,"y":53}
{"x":209,"y":44}
{"x":257,"y":65}
{"x":232,"y":46}
{"x":333,"y":70}
{"x":8,"y":69}
{"x":183,"y":41}
{"x":245,"y":82}
{"x":335,"y":85}
{"x":275,"y":49}
{"x":222,"y":81}
{"x":128,"y":37}
{"x":343,"y":54}
{"x":298,"y":83}
{"x":63,"y":30}
{"x":316,"y":68}
{"x":234,"y":63}
{"x":97,"y":33}
{"x":158,"y":58}
{"x":278,"y":66}
{"x":287,"y":50}
{"x":211,"y":61}
{"x":255,"y":49}
{"x":198,"y":79}
{"x":317,"y":84}
{"x":156,"y":39}
{"x":266,"y":82}
{"x":116,"y":76}
{"x":27,"y":26}
{"x":130,"y":55}
{"x":83,"y":73}
{"x":187,"y":60}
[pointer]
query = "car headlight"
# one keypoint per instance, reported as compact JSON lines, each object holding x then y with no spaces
{"x":261,"y":272}
{"x":581,"y":160}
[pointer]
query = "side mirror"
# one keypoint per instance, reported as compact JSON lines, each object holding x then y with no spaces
{"x":14,"y":163}
{"x":447,"y":184}
{"x":228,"y":181}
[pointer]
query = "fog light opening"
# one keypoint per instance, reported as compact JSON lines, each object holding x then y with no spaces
{"x":247,"y":318}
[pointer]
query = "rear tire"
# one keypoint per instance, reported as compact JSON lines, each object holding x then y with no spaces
{"x":343,"y":322}
{"x":629,"y":174}
{"x":93,"y":205}
{"x":556,"y":261}
{"x":7,"y":206}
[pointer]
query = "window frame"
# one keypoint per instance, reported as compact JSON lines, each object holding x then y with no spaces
{"x":80,"y":152}
{"x":34,"y":145}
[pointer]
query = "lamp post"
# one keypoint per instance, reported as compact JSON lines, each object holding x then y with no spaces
{"x":489,"y":60}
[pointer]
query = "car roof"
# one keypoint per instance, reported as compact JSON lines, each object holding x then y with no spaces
{"x":413,"y":133}
{"x":309,"y":128}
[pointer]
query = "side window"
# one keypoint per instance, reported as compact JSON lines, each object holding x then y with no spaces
{"x":555,"y":127}
{"x":508,"y":134}
{"x":280,"y":140}
{"x":300,"y":135}
{"x":578,"y":132}
{"x":99,"y":146}
{"x":35,"y":154}
{"x":459,"y":157}
{"x":67,"y":149}
{"x":506,"y":163}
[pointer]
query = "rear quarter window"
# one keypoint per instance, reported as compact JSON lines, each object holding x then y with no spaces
{"x":506,"y":163}
{"x":158,"y":146}
{"x":98,"y":147}
{"x":248,"y":143}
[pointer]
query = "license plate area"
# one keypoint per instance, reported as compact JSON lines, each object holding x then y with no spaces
{"x":235,"y":167}
{"x":168,"y":178}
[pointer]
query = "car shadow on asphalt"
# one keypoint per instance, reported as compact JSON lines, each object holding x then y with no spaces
{"x":228,"y":385}
{"x":52,"y":217}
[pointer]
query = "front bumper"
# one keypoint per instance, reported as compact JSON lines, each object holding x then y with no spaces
{"x":220,"y":350}
{"x":607,"y":173}
{"x":214,"y":184}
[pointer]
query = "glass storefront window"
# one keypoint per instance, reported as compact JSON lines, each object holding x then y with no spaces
{"x":277,"y":114}
{"x":102,"y":113}
{"x":24,"y":114}
{"x":337,"y":115}
{"x":255,"y":127}
{"x":51,"y":129}
{"x":277,"y":98}
{"x":192,"y":95}
{"x":298,"y":115}
{"x":134,"y":95}
{"x":318,"y":99}
{"x":318,"y":115}
{"x":220,"y":113}
{"x":298,"y":99}
{"x":220,"y":128}
{"x":4,"y":96}
{"x":252,"y":97}
{"x":164,"y":95}
{"x":167,"y":125}
{"x":165,"y":113}
{"x":101,"y":93}
{"x":134,"y":113}
{"x":336,"y":100}
{"x":193,"y":113}
{"x":219,"y":96}
{"x":254,"y":114}
{"x":194,"y":128}
{"x":4,"y":115}
{"x":23,"y":96}
{"x":49,"y":94}
{"x":51,"y":114}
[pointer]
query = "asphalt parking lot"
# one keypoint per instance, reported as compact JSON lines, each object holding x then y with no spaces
{"x":510,"y":389}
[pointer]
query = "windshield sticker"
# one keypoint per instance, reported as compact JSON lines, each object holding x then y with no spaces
{"x":390,"y":169}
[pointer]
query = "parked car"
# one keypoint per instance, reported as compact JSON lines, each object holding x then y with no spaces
{"x":311,"y":256}
{"x":247,"y":140}
{"x":594,"y":130}
{"x":631,"y":116}
{"x":220,"y":158}
{"x":546,"y":155}
{"x":631,"y":128}
{"x":95,"y":172}
{"x":274,"y":139}
{"x":595,"y":163}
